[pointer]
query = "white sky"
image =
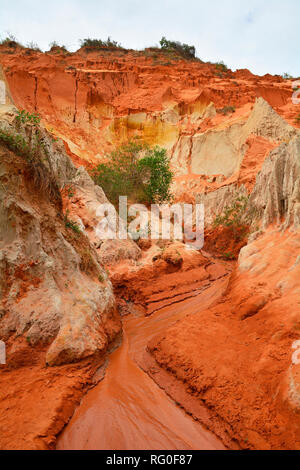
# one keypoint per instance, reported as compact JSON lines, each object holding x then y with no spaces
{"x":261,"y":35}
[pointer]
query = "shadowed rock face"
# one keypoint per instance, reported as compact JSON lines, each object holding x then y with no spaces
{"x":54,"y":289}
{"x":240,"y":357}
{"x":276,"y":194}
{"x":57,"y":305}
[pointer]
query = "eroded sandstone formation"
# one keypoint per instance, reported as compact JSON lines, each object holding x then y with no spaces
{"x":240,"y":357}
{"x":53,"y":287}
{"x":227,"y":134}
{"x":56,"y":300}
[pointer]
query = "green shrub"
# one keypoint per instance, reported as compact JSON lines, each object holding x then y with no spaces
{"x":71,"y":224}
{"x":137,"y":171}
{"x":184,"y":49}
{"x":298,"y":118}
{"x":228,"y":255}
{"x":33,"y":150}
{"x":16,"y":143}
{"x":156,"y":175}
{"x":237,"y":217}
{"x":25,"y":117}
{"x":99,"y":44}
{"x":70,"y":191}
{"x":55,"y":47}
{"x":221,"y":67}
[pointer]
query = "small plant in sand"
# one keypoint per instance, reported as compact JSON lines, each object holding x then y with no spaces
{"x":99,"y":43}
{"x":228,"y":255}
{"x":24,"y":117}
{"x":185,"y":50}
{"x":70,"y":191}
{"x":70,"y":223}
{"x":57,"y":48}
{"x":237,"y":217}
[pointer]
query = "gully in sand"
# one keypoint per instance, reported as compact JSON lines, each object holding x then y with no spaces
{"x":145,"y":339}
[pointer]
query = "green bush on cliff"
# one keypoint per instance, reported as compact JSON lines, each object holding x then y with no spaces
{"x":57,"y":48}
{"x":221,"y":67}
{"x":71,"y":224}
{"x":99,"y":44}
{"x":236,"y":216}
{"x":137,"y":171}
{"x":184,"y":49}
{"x":33,"y":149}
{"x":24,"y":116}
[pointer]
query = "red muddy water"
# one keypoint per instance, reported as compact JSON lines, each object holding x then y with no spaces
{"x":127,"y":410}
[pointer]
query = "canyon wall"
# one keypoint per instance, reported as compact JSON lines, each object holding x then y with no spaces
{"x":240,"y":356}
{"x":53,"y":287}
{"x":217,"y":127}
{"x":57,"y":304}
{"x":227,"y":134}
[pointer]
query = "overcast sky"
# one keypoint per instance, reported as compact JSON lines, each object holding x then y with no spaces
{"x":262,"y":35}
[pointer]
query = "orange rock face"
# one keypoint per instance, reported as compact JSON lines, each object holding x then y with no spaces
{"x":239,"y":357}
{"x":37,"y":401}
{"x":236,"y":349}
{"x":95,"y":100}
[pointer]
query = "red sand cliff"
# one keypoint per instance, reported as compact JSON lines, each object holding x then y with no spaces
{"x":95,"y":99}
{"x":236,"y":355}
